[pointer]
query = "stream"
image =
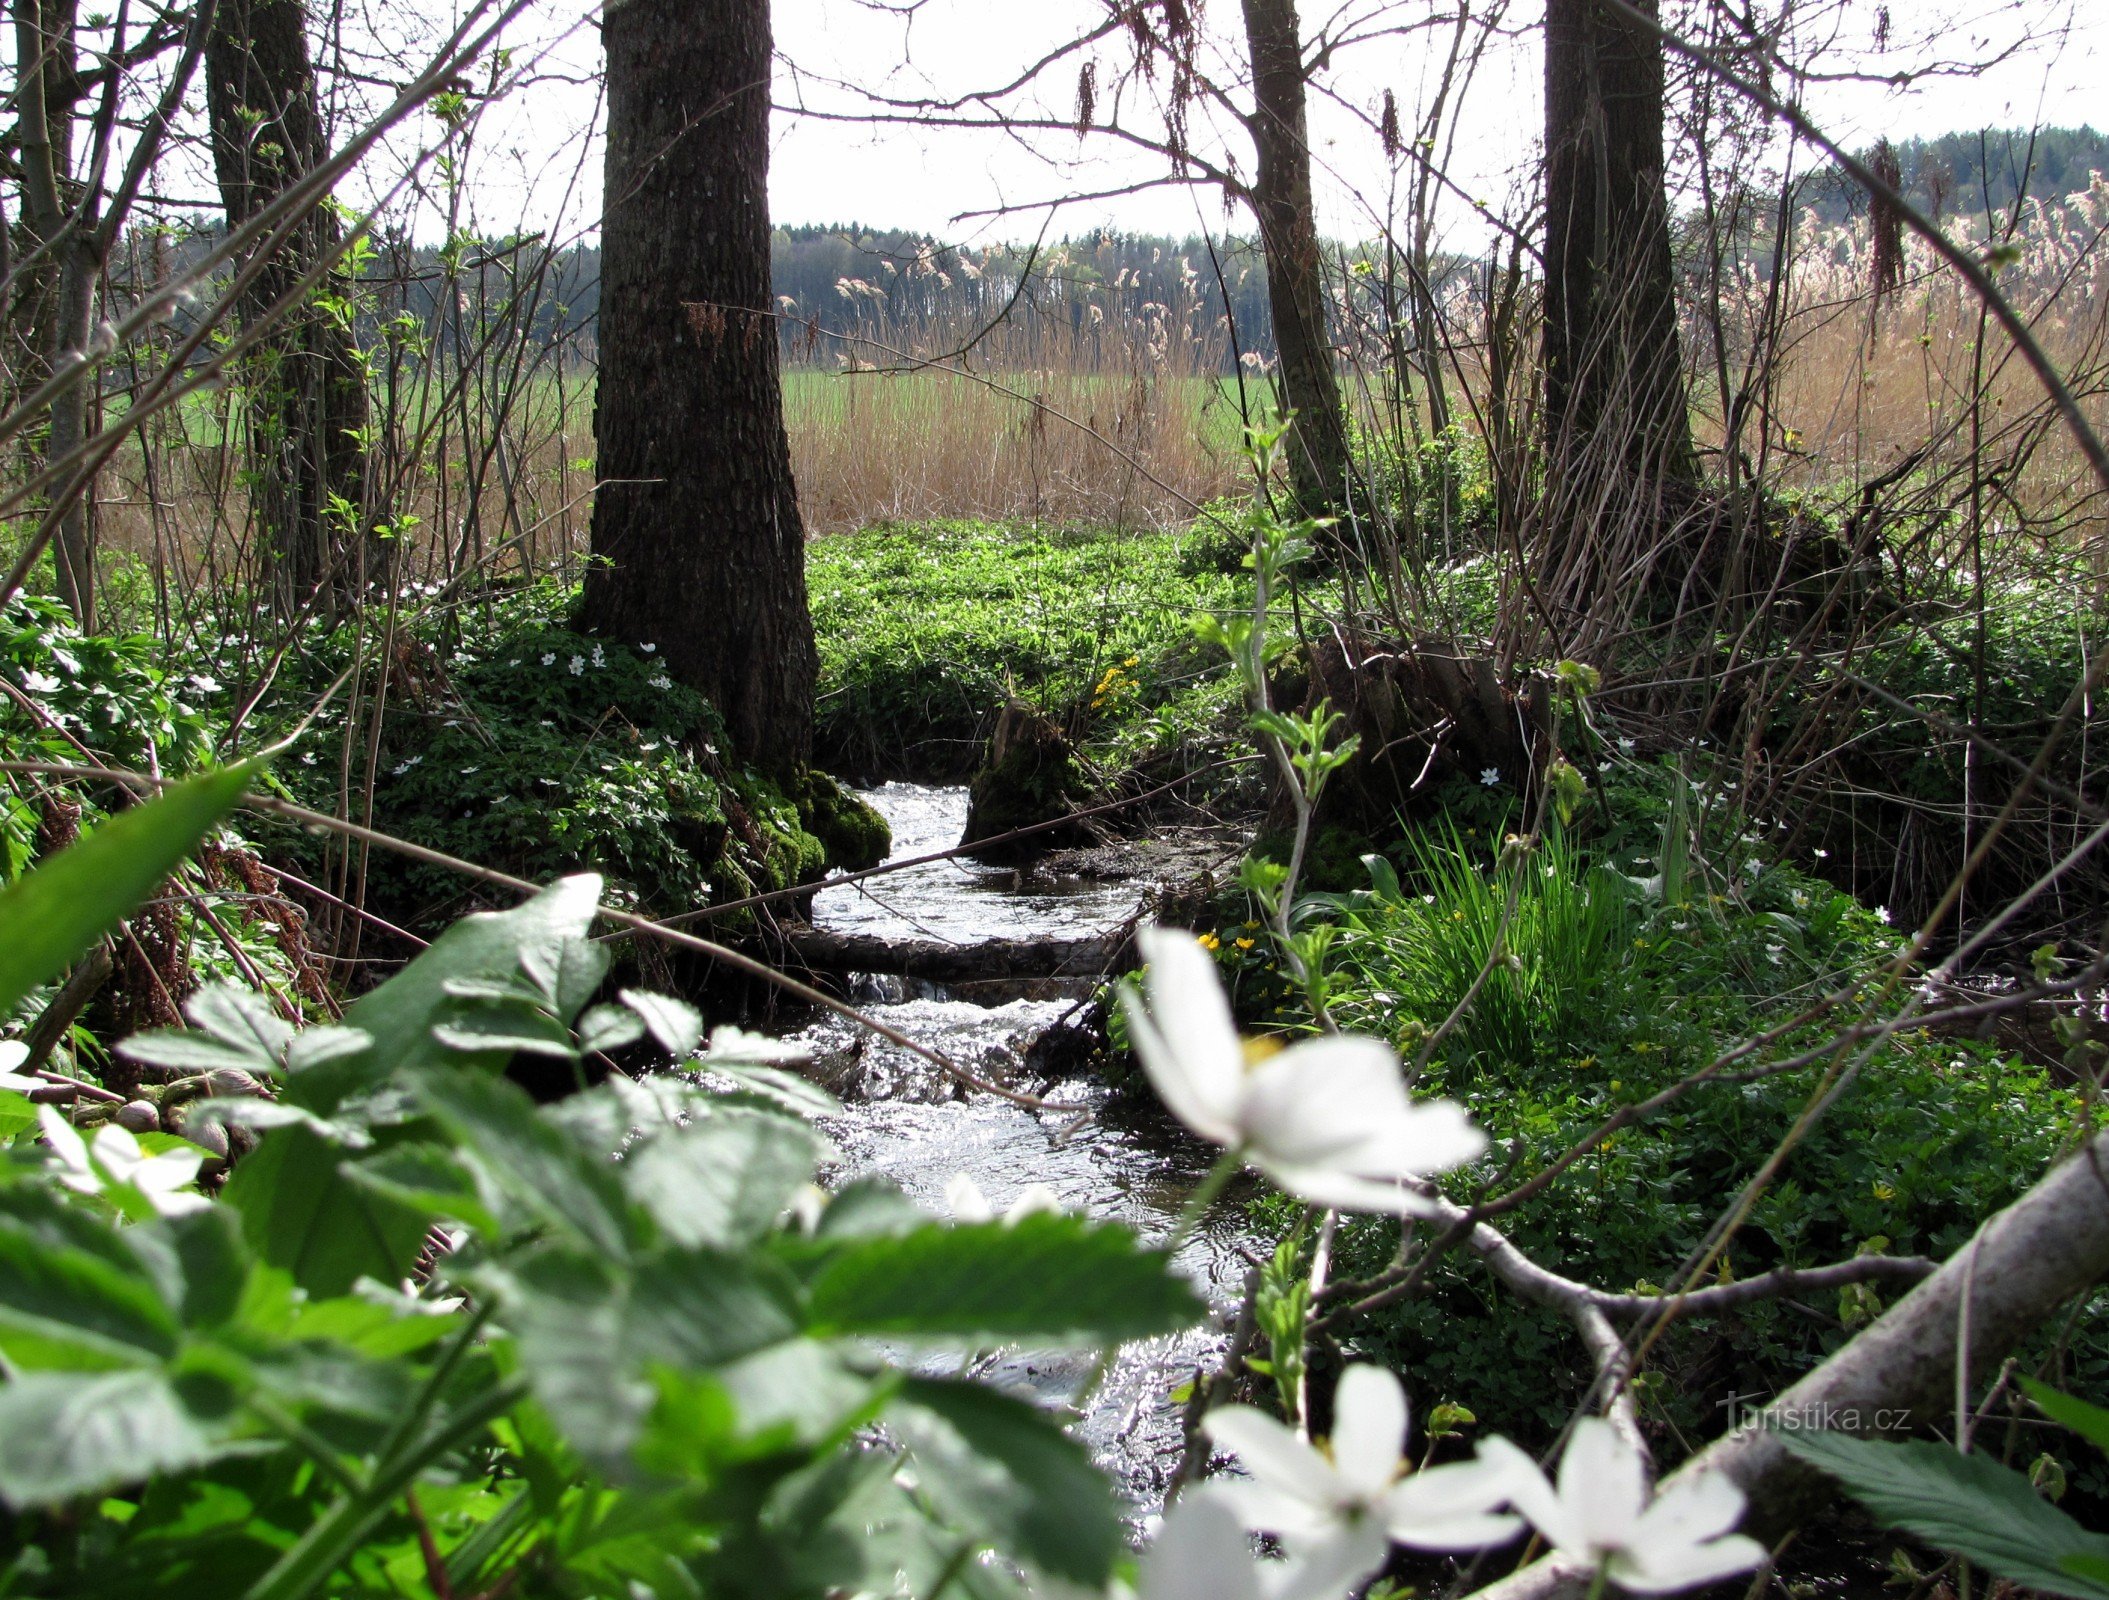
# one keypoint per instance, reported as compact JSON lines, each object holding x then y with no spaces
{"x":906,"y":1121}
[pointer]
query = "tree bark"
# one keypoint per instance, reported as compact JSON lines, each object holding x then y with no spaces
{"x":58,"y":292}
{"x":1282,"y":201}
{"x":1614,"y":380}
{"x":308,"y":409}
{"x":696,"y":531}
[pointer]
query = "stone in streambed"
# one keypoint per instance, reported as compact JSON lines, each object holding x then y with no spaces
{"x":1033,"y":775}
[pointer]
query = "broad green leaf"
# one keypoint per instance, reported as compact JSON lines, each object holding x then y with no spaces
{"x":241,"y":1019}
{"x":17,"y":1112}
{"x":63,"y":1306}
{"x":722,"y":1181}
{"x":299,"y":1213}
{"x":49,"y":918}
{"x":1968,"y":1504}
{"x":609,"y":1028}
{"x":775,"y":1086}
{"x":996,"y":1467}
{"x":70,"y":1433}
{"x":512,"y":1030}
{"x":2089,"y":1422}
{"x":400,"y":1015}
{"x":677,"y":1025}
{"x":1046,"y":1278}
{"x":592,"y":1337}
{"x":191,"y":1052}
{"x":429,"y":1179}
{"x":542,"y":1174}
{"x":870,"y":1206}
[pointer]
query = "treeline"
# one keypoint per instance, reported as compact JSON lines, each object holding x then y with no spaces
{"x":1960,"y":174}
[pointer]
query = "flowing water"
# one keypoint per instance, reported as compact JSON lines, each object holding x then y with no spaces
{"x":911,"y":1124}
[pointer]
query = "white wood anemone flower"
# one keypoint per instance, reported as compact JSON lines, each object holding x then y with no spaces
{"x":1328,"y":1119}
{"x":1337,"y":1510}
{"x":967,"y":1203}
{"x":1201,"y":1554}
{"x":1602,"y":1516}
{"x":115,"y":1160}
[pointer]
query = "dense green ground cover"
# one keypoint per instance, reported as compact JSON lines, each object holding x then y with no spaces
{"x":926,"y":632}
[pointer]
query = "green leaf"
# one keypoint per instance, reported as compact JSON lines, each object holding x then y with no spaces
{"x":1968,"y":1504}
{"x":243,"y":1020}
{"x":543,"y":1174}
{"x":872,"y":1206}
{"x":774,"y":1086}
{"x":677,"y":1025}
{"x":186,"y":1052}
{"x":2089,"y":1422}
{"x":722,"y":1181}
{"x":609,"y":1028}
{"x":65,"y":1306}
{"x":49,"y":918}
{"x":399,"y":1017}
{"x":592,"y":1336}
{"x":1047,"y":1278}
{"x":428,"y":1179}
{"x":70,"y":1434}
{"x":299,"y":1213}
{"x":994,"y":1466}
{"x":17,"y":1112}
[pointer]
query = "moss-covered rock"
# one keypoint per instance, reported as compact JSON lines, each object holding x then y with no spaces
{"x":853,"y":833}
{"x":1033,"y":775}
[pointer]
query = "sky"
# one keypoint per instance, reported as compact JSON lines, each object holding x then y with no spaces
{"x":536,"y":157}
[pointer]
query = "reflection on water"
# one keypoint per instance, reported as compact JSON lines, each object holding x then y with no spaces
{"x":908,"y":1123}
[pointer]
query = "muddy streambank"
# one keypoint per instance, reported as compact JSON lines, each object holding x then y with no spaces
{"x":906,"y":1121}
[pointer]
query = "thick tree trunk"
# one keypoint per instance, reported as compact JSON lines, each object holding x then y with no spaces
{"x":696,"y":531}
{"x":1281,"y":197}
{"x":307,"y":384}
{"x":1614,"y":383}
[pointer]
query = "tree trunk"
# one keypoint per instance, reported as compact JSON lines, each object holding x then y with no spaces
{"x":1614,"y":382}
{"x":58,"y":293}
{"x":696,"y":530}
{"x":1281,"y":198}
{"x":307,"y":382}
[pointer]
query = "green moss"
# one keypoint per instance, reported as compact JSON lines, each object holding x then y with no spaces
{"x":1033,"y":777}
{"x":853,"y":832}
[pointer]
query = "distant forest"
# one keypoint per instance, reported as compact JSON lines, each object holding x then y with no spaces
{"x":849,"y":293}
{"x":1964,"y":174}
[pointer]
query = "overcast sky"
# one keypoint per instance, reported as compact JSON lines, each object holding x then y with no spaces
{"x":538,"y":159}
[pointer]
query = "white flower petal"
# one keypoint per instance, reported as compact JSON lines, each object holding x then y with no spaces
{"x":1034,"y":1197}
{"x":1319,"y":1097}
{"x":1604,"y":1482}
{"x":1451,"y":1508}
{"x":1264,"y":1508}
{"x":963,"y":1197}
{"x":1343,"y":1191}
{"x":1192,"y":1014}
{"x":1272,"y":1454}
{"x":1369,"y":1430}
{"x":1685,"y":1566}
{"x":1332,"y":1567}
{"x":1691,"y":1509}
{"x":67,"y":1144}
{"x":1168,"y":1075}
{"x":1530,"y":1492}
{"x":1432,"y":1136}
{"x":1200,"y":1554}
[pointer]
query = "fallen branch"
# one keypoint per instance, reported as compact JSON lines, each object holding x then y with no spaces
{"x":1899,"y":1375}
